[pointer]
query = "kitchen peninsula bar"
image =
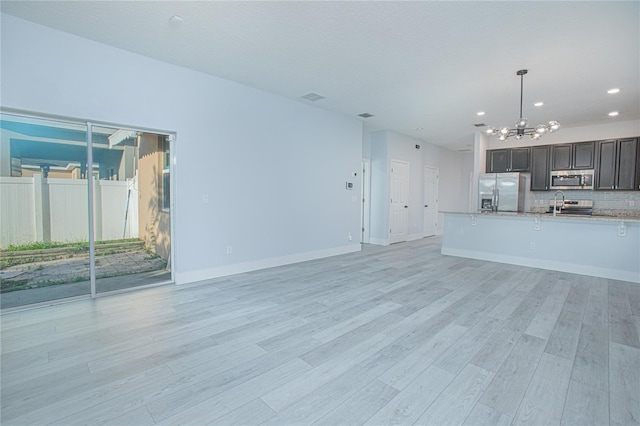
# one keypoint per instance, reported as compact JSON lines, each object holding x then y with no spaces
{"x":601,"y":246}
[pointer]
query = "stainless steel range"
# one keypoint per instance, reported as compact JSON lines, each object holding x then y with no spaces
{"x":578,"y":207}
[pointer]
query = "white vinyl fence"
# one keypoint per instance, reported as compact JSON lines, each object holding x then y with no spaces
{"x":33,"y":209}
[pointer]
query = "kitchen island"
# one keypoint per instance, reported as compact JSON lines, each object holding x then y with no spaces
{"x":601,"y":246}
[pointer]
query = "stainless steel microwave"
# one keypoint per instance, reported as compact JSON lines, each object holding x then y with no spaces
{"x":572,"y":179}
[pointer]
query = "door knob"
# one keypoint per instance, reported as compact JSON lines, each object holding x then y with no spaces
{"x":406,"y":207}
{"x":426,"y":205}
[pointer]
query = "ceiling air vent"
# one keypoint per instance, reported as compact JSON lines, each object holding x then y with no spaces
{"x":312,"y":97}
{"x":480,"y":125}
{"x":365,"y":115}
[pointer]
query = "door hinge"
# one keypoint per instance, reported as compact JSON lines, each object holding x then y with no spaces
{"x":362,"y":229}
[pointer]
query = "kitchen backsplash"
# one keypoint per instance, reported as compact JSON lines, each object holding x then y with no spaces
{"x":605,"y":203}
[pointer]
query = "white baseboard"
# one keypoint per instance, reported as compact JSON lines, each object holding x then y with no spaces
{"x":381,"y":242}
{"x":378,"y":241}
{"x":572,"y":268}
{"x":239,"y":268}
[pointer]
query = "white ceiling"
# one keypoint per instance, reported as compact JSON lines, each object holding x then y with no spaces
{"x":429,"y":65}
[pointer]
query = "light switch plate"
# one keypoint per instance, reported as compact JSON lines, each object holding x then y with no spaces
{"x":622,"y":230}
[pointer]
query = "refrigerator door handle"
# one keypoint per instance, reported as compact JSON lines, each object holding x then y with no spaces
{"x":493,"y":198}
{"x":497,"y":200}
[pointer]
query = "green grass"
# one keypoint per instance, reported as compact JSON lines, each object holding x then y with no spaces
{"x":79,"y":245}
{"x":7,"y":286}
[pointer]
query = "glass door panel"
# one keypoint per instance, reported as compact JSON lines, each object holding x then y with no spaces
{"x":131,"y":208}
{"x":43,"y":211}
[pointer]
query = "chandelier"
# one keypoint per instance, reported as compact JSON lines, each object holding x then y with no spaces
{"x":521,"y":128}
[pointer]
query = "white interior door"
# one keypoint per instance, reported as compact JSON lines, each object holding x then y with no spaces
{"x":430,"y":200}
{"x":399,"y":201}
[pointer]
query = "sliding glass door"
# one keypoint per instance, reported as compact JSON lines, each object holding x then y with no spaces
{"x":131,"y":208}
{"x":44,"y":229}
{"x":57,"y":244}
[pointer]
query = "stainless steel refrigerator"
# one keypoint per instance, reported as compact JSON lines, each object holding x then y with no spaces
{"x":502,"y":192}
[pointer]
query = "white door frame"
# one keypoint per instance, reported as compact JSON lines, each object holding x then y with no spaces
{"x":365,"y":206}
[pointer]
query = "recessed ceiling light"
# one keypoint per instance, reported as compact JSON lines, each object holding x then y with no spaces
{"x":312,"y":97}
{"x":538,"y":104}
{"x":613,"y":113}
{"x":480,"y":113}
{"x":176,"y":19}
{"x":612,"y":91}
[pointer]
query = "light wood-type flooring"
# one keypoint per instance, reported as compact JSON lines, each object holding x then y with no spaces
{"x":389,"y":335}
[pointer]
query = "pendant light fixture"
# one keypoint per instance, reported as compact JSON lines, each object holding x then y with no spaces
{"x":521,"y":128}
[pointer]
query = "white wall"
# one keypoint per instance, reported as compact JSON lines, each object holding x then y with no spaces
{"x":366,"y":142}
{"x":480,"y":144}
{"x":379,"y":230}
{"x":453,"y":192}
{"x":454,"y":167}
{"x":274,"y":170}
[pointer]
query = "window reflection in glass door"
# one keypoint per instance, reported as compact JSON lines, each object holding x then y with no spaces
{"x":43,"y":210}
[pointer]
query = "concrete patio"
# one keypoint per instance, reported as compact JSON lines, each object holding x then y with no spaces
{"x":63,"y":278}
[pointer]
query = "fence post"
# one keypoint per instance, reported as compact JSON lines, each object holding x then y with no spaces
{"x":41,"y":208}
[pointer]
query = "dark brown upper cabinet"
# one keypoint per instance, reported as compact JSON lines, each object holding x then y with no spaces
{"x":519,"y":158}
{"x":618,"y":164}
{"x":584,"y":155}
{"x":573,"y":156}
{"x":561,"y":157}
{"x":497,"y":160}
{"x":540,"y":168}
{"x":508,"y":160}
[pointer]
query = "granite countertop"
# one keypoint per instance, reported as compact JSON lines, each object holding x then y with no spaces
{"x":562,"y":216}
